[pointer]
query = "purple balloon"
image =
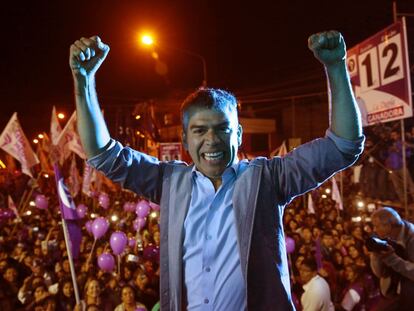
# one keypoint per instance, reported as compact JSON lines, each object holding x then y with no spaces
{"x":126,"y":207}
{"x":81,"y":210}
{"x":10,"y":214}
{"x":103,"y":200}
{"x":132,"y":206}
{"x":142,"y":209}
{"x":290,"y":245}
{"x":132,"y":242}
{"x":139,"y":223}
{"x":129,"y":207}
{"x":6,"y":214}
{"x":88,"y":226}
{"x":154,"y":206}
{"x":41,"y":201}
{"x":106,"y":262}
{"x":99,"y":227}
{"x":118,"y":242}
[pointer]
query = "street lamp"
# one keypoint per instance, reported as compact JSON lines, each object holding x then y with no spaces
{"x":148,"y":40}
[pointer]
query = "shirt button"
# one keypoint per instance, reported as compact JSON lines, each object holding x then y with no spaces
{"x":208,"y":269}
{"x":206,"y":301}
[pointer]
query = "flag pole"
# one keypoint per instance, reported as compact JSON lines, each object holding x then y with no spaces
{"x":27,"y":195}
{"x":24,"y":200}
{"x":90,"y":254}
{"x":70,"y":258}
{"x":68,"y":212}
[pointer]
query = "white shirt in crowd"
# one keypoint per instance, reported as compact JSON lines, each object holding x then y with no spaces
{"x":317,"y":295}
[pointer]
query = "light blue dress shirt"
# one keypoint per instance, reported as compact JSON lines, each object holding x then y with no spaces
{"x":212,"y":271}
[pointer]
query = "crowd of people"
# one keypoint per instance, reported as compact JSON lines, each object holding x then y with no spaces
{"x":34,"y":264}
{"x":382,"y":171}
{"x":331,"y":243}
{"x":328,"y":243}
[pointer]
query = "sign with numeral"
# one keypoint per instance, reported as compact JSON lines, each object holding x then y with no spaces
{"x":170,"y":151}
{"x":380,"y":75}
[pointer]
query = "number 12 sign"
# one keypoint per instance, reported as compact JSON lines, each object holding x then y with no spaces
{"x":380,"y":75}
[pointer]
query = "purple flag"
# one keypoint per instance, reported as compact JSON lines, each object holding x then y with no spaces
{"x":68,"y":212}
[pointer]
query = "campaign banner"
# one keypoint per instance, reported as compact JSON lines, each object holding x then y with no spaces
{"x":170,"y":151}
{"x":380,"y":75}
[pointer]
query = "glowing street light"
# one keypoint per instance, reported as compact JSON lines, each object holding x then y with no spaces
{"x":36,"y":141}
{"x":147,"y":39}
{"x":41,"y":136}
{"x":61,"y":115}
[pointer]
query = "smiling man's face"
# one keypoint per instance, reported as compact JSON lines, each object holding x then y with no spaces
{"x":212,"y":138}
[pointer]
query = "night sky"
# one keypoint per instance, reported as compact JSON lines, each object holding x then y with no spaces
{"x":249,"y":47}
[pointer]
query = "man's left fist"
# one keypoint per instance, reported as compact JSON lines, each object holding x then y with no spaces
{"x":328,"y":47}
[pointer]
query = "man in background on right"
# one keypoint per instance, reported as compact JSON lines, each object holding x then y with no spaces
{"x":394,"y":266}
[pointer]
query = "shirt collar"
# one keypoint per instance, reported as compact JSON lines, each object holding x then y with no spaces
{"x":234,"y":170}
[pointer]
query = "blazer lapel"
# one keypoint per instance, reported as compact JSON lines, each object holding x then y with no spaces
{"x":180,"y":196}
{"x":244,"y":206}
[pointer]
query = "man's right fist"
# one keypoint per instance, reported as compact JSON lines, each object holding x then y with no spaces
{"x":86,"y":56}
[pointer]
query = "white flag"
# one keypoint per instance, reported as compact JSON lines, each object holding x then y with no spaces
{"x":87,"y":179}
{"x":55,"y":128}
{"x":15,"y":143}
{"x":13,"y":207}
{"x":74,"y":179}
{"x":311,"y":208}
{"x":69,"y":138}
{"x":280,"y":151}
{"x":336,"y":195}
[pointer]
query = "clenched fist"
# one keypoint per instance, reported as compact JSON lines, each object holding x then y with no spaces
{"x":86,"y":56}
{"x":328,"y":47}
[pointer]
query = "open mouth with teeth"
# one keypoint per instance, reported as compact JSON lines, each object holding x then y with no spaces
{"x":213,"y":156}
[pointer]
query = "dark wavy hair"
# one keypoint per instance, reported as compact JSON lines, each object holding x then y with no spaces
{"x":209,"y":98}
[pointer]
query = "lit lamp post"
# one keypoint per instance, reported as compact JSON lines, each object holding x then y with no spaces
{"x":148,"y":40}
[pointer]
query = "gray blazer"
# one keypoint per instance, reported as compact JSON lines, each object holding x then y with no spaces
{"x":260,"y":195}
